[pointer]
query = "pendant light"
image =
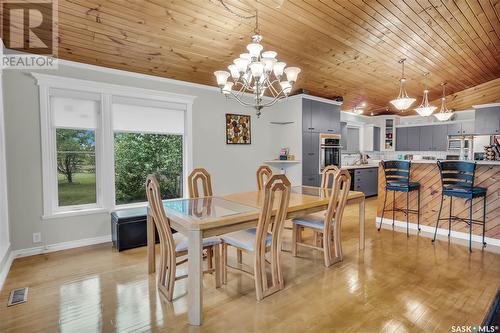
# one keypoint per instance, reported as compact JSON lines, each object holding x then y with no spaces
{"x":403,"y":102}
{"x":425,"y":109}
{"x":444,"y":114}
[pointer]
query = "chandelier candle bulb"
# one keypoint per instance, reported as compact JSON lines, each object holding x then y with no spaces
{"x":269,"y":54}
{"x":278,"y":68}
{"x":235,"y":73}
{"x":222,"y":77}
{"x":254,"y":49}
{"x":292,"y":73}
{"x":286,"y":87}
{"x":241,"y":64}
{"x":227,"y":88}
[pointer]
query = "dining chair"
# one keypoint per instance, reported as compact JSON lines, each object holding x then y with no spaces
{"x":329,"y":224}
{"x":195,"y":177}
{"x":175,"y":245}
{"x":259,"y":241}
{"x":327,"y":175}
{"x":263,"y":173}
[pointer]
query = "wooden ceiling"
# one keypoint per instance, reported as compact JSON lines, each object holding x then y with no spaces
{"x":346,"y":48}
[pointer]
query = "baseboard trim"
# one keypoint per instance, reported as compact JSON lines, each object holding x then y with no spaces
{"x":5,"y":265}
{"x":61,"y":246}
{"x":440,"y":232}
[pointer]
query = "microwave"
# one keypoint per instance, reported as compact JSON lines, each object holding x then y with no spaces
{"x":455,"y":143}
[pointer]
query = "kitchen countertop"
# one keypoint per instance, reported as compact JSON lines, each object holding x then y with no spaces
{"x":361,"y":166}
{"x":478,"y":162}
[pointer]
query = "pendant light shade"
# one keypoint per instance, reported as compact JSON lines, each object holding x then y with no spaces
{"x":403,"y":101}
{"x":425,"y":109}
{"x":444,"y":114}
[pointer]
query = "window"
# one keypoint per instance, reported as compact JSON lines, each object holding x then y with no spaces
{"x":98,"y":146}
{"x":74,"y":120}
{"x":76,"y":181}
{"x":148,"y":139}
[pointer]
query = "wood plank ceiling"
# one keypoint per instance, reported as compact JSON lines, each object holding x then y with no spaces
{"x":345,"y":48}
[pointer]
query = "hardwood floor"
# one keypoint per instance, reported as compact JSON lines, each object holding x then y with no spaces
{"x":395,"y":285}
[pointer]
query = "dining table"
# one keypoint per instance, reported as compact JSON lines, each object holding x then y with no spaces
{"x":198,"y":218}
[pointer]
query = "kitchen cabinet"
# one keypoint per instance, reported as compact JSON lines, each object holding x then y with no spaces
{"x":310,"y":153}
{"x":352,"y":141}
{"x":487,"y":120}
{"x":468,"y":127}
{"x":306,"y":115}
{"x":413,"y":138}
{"x":401,"y":138}
{"x":371,"y":138}
{"x":343,"y":135}
{"x":376,"y":138}
{"x":366,"y":181}
{"x":439,"y":137}
{"x":311,"y":180}
{"x":320,"y":117}
{"x":454,"y":129}
{"x":425,"y":138}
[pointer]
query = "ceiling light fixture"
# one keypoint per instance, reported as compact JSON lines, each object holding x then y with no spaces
{"x":402,"y":102}
{"x":425,"y":109}
{"x":444,"y":114}
{"x":256,"y":73}
{"x":359,"y":109}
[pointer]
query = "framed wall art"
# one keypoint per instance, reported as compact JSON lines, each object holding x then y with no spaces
{"x":238,"y":129}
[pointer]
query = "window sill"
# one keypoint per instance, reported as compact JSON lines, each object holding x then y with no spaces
{"x":71,"y":213}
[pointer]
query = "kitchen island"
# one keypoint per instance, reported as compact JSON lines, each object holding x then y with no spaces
{"x":426,"y":172}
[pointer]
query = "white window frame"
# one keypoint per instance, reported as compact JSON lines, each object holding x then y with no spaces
{"x":105,"y":175}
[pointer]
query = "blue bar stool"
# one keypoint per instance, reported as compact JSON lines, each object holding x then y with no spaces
{"x":457,"y":180}
{"x":397,"y":179}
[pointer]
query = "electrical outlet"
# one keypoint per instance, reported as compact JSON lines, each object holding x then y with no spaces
{"x":37,"y":237}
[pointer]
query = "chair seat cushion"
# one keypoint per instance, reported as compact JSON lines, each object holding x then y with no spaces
{"x":310,"y":221}
{"x":181,"y":242}
{"x":244,"y":239}
{"x":463,"y":191}
{"x":402,"y":186}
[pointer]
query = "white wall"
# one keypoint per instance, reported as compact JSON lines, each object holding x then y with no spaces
{"x":232,"y":166}
{"x":5,"y":247}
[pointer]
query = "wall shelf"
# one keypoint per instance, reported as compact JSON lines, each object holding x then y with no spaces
{"x":281,"y":122}
{"x":281,"y":162}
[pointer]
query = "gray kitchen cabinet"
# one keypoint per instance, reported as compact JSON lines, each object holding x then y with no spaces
{"x":426,"y":136}
{"x":376,"y":138}
{"x":343,"y":135}
{"x":311,"y":180}
{"x":352,"y":140}
{"x":439,"y":137}
{"x":317,"y":121}
{"x":454,"y":129}
{"x":401,"y":138}
{"x":413,"y":138}
{"x":330,"y":118}
{"x":310,"y":153}
{"x":487,"y":121}
{"x":468,"y":127}
{"x":366,"y":181}
{"x":306,"y":115}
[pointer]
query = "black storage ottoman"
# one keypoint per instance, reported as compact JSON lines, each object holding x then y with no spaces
{"x":129,"y":228}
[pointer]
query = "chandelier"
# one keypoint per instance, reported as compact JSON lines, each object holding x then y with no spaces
{"x":425,"y":109}
{"x":359,"y":109}
{"x":255,"y":74}
{"x":444,"y":114}
{"x":403,"y":102}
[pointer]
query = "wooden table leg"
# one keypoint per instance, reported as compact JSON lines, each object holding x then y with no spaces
{"x":151,"y":243}
{"x":195,"y":277}
{"x":362,"y":224}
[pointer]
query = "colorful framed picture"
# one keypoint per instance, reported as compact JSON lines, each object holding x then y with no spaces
{"x":238,"y":129}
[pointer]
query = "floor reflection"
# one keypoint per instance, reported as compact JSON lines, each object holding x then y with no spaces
{"x":80,"y":306}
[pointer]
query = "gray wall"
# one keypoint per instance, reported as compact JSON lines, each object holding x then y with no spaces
{"x":232,"y":166}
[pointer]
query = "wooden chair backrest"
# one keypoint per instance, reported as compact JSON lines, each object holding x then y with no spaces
{"x":263,"y":174}
{"x":328,"y":173}
{"x":157,"y":212}
{"x":340,"y":190}
{"x":277,"y":190}
{"x":196,"y":176}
